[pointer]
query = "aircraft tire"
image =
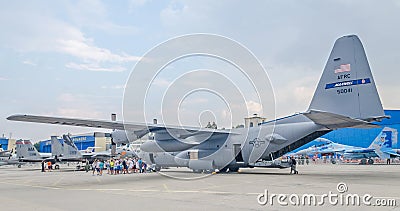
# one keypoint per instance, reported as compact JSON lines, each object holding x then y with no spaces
{"x":233,"y":169}
{"x":197,"y":171}
{"x":19,"y":165}
{"x":370,"y":161}
{"x":56,"y":166}
{"x":157,"y":168}
{"x":363,"y":161}
{"x":223,"y":170}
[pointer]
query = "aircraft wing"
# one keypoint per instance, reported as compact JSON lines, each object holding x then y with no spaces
{"x":140,"y":129}
{"x":359,"y":151}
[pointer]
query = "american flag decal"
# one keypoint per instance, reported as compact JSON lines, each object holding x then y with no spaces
{"x":343,"y":68}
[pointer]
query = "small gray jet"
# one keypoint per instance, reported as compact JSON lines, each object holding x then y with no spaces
{"x":346,"y":96}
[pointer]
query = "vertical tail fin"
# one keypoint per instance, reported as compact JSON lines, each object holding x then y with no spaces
{"x":385,"y":139}
{"x":346,"y":86}
{"x":26,"y":150}
{"x":56,"y":147}
{"x":70,"y":149}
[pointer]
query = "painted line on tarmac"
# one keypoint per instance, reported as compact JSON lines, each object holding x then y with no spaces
{"x":56,"y":182}
{"x":132,"y":190}
{"x":98,"y":179}
{"x":32,"y":186}
{"x":167,"y":190}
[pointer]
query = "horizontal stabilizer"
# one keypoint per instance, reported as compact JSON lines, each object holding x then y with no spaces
{"x":391,"y":152}
{"x":335,"y":121}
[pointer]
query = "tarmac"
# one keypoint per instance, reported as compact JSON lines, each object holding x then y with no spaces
{"x":28,"y":188}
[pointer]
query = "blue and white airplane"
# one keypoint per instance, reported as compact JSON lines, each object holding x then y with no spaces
{"x":381,"y":147}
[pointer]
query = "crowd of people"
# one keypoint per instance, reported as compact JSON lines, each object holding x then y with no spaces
{"x":117,"y":166}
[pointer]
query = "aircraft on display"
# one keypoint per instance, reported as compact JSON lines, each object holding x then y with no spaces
{"x":26,"y":152}
{"x":61,"y":152}
{"x":10,"y":161}
{"x":120,"y":152}
{"x":381,"y":147}
{"x":346,"y":96}
{"x":65,"y":150}
{"x":5,"y":153}
{"x":7,"y":157}
{"x":89,"y":150}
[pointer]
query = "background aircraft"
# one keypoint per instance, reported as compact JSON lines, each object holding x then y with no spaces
{"x":65,"y":150}
{"x":26,"y":152}
{"x":8,"y":157}
{"x":5,"y":153}
{"x":346,"y":96}
{"x":10,"y":160}
{"x":380,"y":147}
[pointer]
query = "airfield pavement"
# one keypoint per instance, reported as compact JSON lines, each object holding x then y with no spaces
{"x":30,"y":189}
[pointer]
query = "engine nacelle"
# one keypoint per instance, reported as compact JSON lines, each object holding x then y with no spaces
{"x":123,"y":137}
{"x":201,"y":164}
{"x":195,"y":159}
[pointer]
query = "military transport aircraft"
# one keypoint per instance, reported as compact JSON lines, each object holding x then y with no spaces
{"x":346,"y":96}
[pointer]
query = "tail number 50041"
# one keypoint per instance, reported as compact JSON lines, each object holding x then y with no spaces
{"x":344,"y":91}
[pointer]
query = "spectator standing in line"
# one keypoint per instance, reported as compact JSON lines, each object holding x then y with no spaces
{"x":94,"y":165}
{"x":112,"y":163}
{"x":140,"y":165}
{"x":101,"y":167}
{"x":293,"y":166}
{"x":98,"y":167}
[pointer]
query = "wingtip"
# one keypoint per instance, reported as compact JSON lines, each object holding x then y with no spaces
{"x":10,"y":117}
{"x":15,"y":116}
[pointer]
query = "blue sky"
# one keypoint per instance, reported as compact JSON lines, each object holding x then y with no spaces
{"x":72,"y":58}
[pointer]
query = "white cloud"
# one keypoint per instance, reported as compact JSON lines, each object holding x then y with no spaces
{"x":67,"y":97}
{"x":84,"y":106}
{"x":114,"y":87}
{"x":78,"y":113}
{"x":3,"y":79}
{"x":254,"y":107}
{"x":44,"y":33}
{"x":133,"y":4}
{"x":84,"y":49}
{"x":161,"y":82}
{"x":94,"y":67}
{"x":94,"y":14}
{"x":29,"y":62}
